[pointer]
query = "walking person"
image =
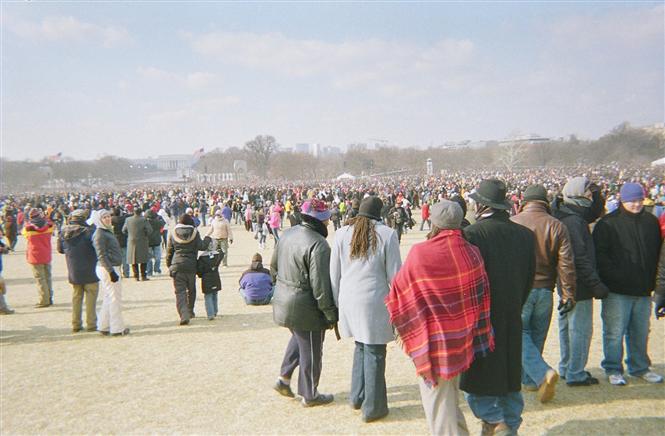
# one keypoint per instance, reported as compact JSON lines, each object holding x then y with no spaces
{"x":75,"y":242}
{"x":627,"y":245}
{"x":303,"y":301}
{"x":118,"y":218}
{"x":181,"y":256}
{"x":554,"y":258}
{"x":424,"y":215}
{"x":577,"y":210}
{"x":365,"y":258}
{"x":220,"y":232}
{"x":207,"y":268}
{"x":154,"y":243}
{"x":4,"y":307}
{"x":138,"y":231}
{"x":493,"y":382}
{"x":109,"y":258}
{"x":439,"y":303}
{"x":38,"y":232}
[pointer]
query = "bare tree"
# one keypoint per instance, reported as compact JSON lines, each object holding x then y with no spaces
{"x":511,"y":153}
{"x":259,"y":151}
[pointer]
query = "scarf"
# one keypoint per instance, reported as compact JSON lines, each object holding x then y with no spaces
{"x":316,"y":225}
{"x":439,"y":303}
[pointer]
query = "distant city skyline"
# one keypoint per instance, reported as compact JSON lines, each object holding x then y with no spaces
{"x":148,"y":79}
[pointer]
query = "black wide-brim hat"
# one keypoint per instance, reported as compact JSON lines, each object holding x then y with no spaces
{"x":371,"y":207}
{"x":492,"y":193}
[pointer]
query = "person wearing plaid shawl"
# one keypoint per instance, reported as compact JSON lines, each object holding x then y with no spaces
{"x":439,"y":304}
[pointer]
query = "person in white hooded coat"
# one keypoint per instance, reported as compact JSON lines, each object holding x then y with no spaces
{"x":365,"y":258}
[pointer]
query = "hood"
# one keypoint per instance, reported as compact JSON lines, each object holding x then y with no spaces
{"x":72,"y":230}
{"x":565,"y":209}
{"x":184,"y":234}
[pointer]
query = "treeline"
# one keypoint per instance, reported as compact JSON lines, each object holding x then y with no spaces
{"x":25,"y":176}
{"x":623,"y":144}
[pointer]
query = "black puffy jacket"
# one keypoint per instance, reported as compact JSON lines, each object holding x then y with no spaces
{"x":183,"y":249}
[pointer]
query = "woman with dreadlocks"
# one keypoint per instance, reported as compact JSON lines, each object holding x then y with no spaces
{"x":365,"y":257}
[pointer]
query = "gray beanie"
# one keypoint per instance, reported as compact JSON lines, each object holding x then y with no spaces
{"x":446,"y":214}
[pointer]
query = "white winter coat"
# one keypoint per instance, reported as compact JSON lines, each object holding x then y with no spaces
{"x":360,"y":286}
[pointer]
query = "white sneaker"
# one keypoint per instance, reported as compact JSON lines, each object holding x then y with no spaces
{"x":651,"y":377}
{"x":617,"y":380}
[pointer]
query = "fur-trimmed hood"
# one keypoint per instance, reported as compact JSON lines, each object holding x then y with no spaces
{"x":184,"y":234}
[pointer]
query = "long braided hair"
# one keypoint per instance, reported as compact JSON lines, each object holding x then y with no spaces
{"x":364,"y":237}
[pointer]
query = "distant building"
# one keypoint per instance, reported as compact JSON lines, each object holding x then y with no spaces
{"x":331,"y":151}
{"x":526,"y":139}
{"x":302,"y":148}
{"x":167,"y":162}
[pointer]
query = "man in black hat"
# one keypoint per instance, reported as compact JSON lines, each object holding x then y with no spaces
{"x":554,"y":257}
{"x":493,"y":383}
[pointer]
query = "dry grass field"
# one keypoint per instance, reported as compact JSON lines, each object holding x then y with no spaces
{"x":215,"y":377}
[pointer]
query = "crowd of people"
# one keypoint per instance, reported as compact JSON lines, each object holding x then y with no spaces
{"x":471,"y":305}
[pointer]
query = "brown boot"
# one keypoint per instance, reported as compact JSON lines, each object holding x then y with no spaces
{"x":502,"y":429}
{"x":548,"y":387}
{"x":487,"y":429}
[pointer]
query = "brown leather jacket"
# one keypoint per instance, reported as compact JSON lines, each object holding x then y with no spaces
{"x":554,"y":252}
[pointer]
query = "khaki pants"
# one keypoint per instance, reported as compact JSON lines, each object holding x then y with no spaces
{"x":441,"y":406}
{"x":90,"y":290}
{"x":42,"y":272}
{"x":223,"y":245}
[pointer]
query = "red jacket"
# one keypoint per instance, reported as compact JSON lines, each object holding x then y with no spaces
{"x":424,"y":212}
{"x":39,"y":243}
{"x":662,"y":225}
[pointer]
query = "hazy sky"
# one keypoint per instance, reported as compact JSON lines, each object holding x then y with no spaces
{"x":140,"y":79}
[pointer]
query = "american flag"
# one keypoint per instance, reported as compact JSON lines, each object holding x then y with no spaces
{"x":55,"y":157}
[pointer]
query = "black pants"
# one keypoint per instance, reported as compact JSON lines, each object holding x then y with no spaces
{"x":185,"y":294}
{"x":135,"y":269}
{"x":305,"y":349}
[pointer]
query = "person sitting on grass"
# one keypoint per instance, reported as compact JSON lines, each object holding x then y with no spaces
{"x":256,"y":284}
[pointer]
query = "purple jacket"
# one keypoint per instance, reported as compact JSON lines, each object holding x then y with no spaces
{"x":256,"y":283}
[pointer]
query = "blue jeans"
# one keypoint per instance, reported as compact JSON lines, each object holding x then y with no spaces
{"x":154,"y":260}
{"x":211,"y":303}
{"x":125,"y":265}
{"x":368,"y":381}
{"x":536,"y":318}
{"x":625,"y":316}
{"x":575,"y":330}
{"x":505,"y":408}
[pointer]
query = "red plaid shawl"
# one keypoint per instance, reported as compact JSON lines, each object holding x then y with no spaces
{"x":439,"y":302}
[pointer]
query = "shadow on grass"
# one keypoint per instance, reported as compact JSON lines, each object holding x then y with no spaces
{"x":612,"y":426}
{"x":226,"y":323}
{"x":567,"y":397}
{"x":32,"y":280}
{"x":403,"y":402}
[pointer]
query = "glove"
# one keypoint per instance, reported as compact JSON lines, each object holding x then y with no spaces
{"x":114,"y":276}
{"x":660,"y":306}
{"x":565,"y":306}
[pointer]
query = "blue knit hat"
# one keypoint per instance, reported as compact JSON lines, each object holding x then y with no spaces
{"x":631,"y":192}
